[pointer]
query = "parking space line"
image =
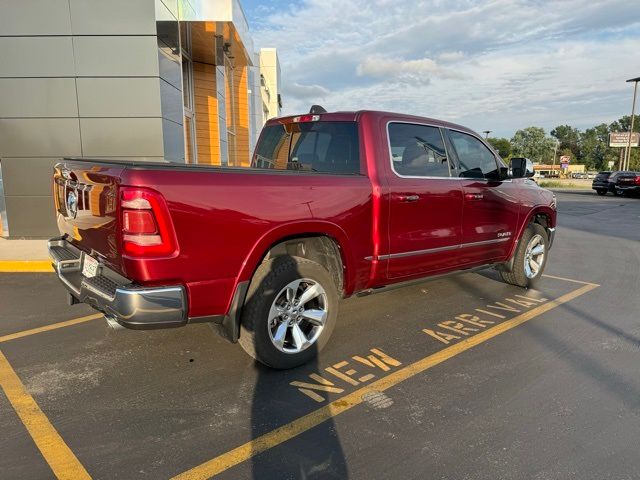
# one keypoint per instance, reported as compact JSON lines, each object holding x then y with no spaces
{"x":33,"y":266}
{"x":286,"y":432}
{"x":53,"y":326}
{"x":55,"y":451}
{"x":569,"y":280}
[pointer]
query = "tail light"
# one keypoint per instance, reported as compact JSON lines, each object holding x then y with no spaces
{"x":637,"y":180}
{"x":147,"y":229}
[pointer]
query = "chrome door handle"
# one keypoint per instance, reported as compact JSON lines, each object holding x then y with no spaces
{"x":408,"y":198}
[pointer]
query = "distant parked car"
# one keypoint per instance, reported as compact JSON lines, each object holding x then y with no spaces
{"x":579,"y":175}
{"x":628,"y":184}
{"x":607,"y":182}
{"x":591,"y":175}
{"x":601,"y":183}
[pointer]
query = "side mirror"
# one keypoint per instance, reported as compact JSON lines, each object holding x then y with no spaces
{"x":521,"y":167}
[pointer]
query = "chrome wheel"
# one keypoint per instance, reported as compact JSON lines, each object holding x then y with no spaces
{"x":298,"y":315}
{"x":534,"y":256}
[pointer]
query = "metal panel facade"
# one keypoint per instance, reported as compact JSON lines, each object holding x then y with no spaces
{"x":119,"y":97}
{"x":78,"y":78}
{"x":38,"y":97}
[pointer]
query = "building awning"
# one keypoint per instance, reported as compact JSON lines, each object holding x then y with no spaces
{"x":228,"y":11}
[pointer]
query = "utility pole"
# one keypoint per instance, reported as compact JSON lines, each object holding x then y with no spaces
{"x":633,"y":113}
{"x":555,"y":151}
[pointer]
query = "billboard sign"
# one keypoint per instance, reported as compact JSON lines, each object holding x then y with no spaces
{"x":565,"y":159}
{"x":620,"y":139}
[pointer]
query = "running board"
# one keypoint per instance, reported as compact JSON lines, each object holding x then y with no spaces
{"x":417,"y":281}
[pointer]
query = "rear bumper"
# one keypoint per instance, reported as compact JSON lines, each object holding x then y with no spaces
{"x":628,"y":189}
{"x":130,"y":305}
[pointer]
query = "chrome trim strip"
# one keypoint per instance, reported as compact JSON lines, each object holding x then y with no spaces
{"x":419,"y":252}
{"x":440,"y":249}
{"x":148,"y":291}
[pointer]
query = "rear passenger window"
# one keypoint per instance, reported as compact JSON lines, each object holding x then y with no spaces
{"x":476,"y":160}
{"x":417,"y":151}
{"x":326,"y":147}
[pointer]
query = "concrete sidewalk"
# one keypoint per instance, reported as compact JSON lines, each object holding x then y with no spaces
{"x":23,"y":249}
{"x":24,"y":256}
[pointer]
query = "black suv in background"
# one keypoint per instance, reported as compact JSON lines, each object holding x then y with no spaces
{"x":609,"y":181}
{"x":601,"y":183}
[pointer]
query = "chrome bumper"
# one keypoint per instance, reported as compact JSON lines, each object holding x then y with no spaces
{"x":117,"y":297}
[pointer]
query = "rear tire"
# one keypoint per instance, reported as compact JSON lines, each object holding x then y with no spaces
{"x":601,"y":192}
{"x":281,"y":325}
{"x":530,"y":257}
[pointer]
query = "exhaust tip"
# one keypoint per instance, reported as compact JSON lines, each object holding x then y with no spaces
{"x":113,"y":323}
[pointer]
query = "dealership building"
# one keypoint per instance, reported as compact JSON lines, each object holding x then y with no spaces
{"x":147,"y":80}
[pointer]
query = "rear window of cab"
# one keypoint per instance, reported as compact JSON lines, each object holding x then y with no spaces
{"x":324,"y":147}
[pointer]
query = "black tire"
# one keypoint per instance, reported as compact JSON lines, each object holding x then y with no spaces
{"x":518,"y":276}
{"x":601,"y":192}
{"x":267,"y":283}
{"x":616,"y":192}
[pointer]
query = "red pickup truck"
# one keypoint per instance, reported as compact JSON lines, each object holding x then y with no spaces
{"x":334,"y":204}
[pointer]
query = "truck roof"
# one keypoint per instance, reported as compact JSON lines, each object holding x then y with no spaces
{"x":355,"y":115}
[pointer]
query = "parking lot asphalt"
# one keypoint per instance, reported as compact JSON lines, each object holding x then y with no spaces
{"x":462,"y":377}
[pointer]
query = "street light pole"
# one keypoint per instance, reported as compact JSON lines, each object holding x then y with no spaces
{"x":486,"y":134}
{"x":633,"y":113}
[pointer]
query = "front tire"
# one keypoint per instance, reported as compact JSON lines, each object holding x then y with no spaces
{"x":530,"y":257}
{"x":601,"y":192}
{"x":289,"y":312}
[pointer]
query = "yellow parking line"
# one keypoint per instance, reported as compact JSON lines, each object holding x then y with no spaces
{"x":10,"y":266}
{"x":55,"y":451}
{"x":53,"y":326}
{"x":569,"y":280}
{"x":290,"y":430}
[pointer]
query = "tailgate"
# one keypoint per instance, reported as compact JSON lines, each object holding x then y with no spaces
{"x":627,"y":179}
{"x":86,"y":200}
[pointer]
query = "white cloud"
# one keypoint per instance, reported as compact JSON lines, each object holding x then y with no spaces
{"x":307,"y":92}
{"x":498,"y":65}
{"x":407,"y":71}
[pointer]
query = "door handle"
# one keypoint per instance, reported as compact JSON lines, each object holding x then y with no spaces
{"x":473,"y":196}
{"x":408,"y":198}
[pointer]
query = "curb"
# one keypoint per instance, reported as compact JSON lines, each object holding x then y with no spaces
{"x":33,"y":266}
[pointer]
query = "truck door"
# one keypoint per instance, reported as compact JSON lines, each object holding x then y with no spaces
{"x":425,"y":202}
{"x":491,"y":205}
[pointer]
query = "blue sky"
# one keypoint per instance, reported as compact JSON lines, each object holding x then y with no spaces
{"x":493,"y":65}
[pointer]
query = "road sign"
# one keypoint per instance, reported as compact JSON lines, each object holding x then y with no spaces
{"x":610,"y":164}
{"x":565,"y":159}
{"x":620,"y":139}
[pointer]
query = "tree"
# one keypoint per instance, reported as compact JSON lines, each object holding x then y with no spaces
{"x":594,"y":148}
{"x":533,"y":143}
{"x":569,"y":139}
{"x":502,"y":145}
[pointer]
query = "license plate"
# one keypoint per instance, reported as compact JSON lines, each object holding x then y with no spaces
{"x":90,"y":267}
